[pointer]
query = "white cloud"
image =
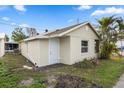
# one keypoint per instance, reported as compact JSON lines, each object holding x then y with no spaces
{"x":84,"y":7}
{"x":5,"y":18}
{"x":24,"y":25}
{"x":109,"y":10}
{"x":20,"y":8}
{"x":13,"y":24}
{"x":70,"y":20}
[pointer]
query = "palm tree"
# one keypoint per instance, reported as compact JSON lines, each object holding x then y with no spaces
{"x":106,"y":25}
{"x":108,"y":35}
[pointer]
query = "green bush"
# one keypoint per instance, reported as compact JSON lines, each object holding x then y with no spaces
{"x":106,"y":50}
{"x":3,"y":69}
{"x":84,"y":64}
{"x":10,"y":81}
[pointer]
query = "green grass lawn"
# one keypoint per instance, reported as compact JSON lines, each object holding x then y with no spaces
{"x":105,"y":74}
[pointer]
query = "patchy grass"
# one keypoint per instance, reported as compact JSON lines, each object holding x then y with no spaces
{"x":16,"y":73}
{"x":106,"y":74}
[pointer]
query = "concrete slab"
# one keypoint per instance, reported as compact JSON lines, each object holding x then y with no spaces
{"x":120,"y":83}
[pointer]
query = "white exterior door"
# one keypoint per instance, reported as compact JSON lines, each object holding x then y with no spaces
{"x":54,"y":51}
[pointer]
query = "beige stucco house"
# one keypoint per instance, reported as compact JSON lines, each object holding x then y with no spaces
{"x":2,"y":44}
{"x":67,"y":45}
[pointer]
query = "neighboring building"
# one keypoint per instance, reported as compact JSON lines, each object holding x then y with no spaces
{"x":68,"y":45}
{"x":2,"y":44}
{"x":6,"y":46}
{"x":120,"y":46}
{"x":11,"y":46}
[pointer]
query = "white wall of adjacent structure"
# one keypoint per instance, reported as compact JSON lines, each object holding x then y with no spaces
{"x":2,"y":47}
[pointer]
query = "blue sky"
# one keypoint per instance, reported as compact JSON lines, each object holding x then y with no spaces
{"x":52,"y":16}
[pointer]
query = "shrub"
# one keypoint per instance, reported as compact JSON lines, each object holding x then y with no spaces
{"x":3,"y":69}
{"x":87,"y":63}
{"x":84,"y":64}
{"x":10,"y":81}
{"x":106,"y":50}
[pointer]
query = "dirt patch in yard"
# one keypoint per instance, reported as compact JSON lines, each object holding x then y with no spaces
{"x":68,"y":81}
{"x":27,"y":82}
{"x":51,"y":81}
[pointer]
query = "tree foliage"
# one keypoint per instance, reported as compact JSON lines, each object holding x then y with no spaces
{"x":120,"y":23}
{"x":110,"y":28}
{"x":18,"y":35}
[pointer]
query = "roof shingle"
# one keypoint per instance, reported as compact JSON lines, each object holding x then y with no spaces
{"x":59,"y":31}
